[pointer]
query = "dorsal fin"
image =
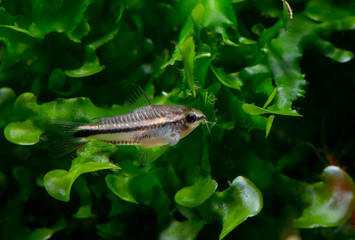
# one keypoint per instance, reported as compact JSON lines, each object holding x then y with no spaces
{"x":138,"y":99}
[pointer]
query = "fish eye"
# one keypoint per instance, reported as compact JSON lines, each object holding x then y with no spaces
{"x":191,"y":117}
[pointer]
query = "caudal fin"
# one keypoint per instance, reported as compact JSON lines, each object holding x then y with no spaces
{"x":61,"y":136}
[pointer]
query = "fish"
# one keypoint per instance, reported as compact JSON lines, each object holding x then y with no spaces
{"x":147,"y":126}
{"x":150,"y":126}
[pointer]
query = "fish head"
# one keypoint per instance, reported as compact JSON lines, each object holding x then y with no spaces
{"x":186,"y":118}
{"x":193,"y":117}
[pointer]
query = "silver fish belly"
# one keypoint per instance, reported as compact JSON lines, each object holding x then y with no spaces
{"x":150,"y":126}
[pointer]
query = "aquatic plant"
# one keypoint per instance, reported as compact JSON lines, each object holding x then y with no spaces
{"x":276,"y":77}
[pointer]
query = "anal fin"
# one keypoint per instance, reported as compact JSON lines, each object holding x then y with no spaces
{"x":149,"y":155}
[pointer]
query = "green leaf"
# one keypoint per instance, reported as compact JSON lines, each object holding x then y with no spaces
{"x":91,"y":64}
{"x":61,"y":16}
{"x":330,"y":202}
{"x":197,"y":193}
{"x":336,"y":54}
{"x":45,"y":232}
{"x":7,"y":97}
{"x":198,"y":13}
{"x":58,"y":182}
{"x":41,"y":234}
{"x":186,"y":32}
{"x":268,"y":34}
{"x":80,"y":31}
{"x":226,"y":79}
{"x":219,"y":16}
{"x":285,"y":14}
{"x":120,"y":185}
{"x":19,"y":29}
{"x":213,"y":15}
{"x":121,"y":11}
{"x":57,"y":81}
{"x":269,"y":125}
{"x":340,"y":14}
{"x":202,"y":66}
{"x":181,"y":230}
{"x":234,"y":205}
{"x":90,"y":67}
{"x":112,"y":228}
{"x":255,"y":110}
{"x":85,"y":197}
{"x":289,"y":79}
{"x":271,"y":97}
{"x":134,"y":185}
{"x":187,"y":49}
{"x":249,"y":199}
{"x":28,"y":132}
{"x":61,"y":48}
{"x":18,"y":45}
{"x":23,"y":133}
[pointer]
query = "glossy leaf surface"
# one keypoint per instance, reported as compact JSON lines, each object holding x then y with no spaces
{"x":331,"y":202}
{"x":277,"y":94}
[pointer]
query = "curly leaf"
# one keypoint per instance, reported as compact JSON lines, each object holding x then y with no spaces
{"x":41,"y":234}
{"x":28,"y":132}
{"x":305,"y":33}
{"x":58,"y":182}
{"x":197,"y":193}
{"x":120,"y":186}
{"x":57,"y":81}
{"x":234,"y":205}
{"x":59,"y":16}
{"x":131,"y":181}
{"x":218,"y":15}
{"x":330,"y":202}
{"x":249,"y":203}
{"x":181,"y":230}
{"x":23,"y":133}
{"x":135,"y":185}
{"x":80,"y":31}
{"x":91,"y":64}
{"x":45,"y":232}
{"x":18,"y":45}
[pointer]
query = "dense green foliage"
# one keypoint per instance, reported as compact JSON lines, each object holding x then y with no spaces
{"x":279,"y":160}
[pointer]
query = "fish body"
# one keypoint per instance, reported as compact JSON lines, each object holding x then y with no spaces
{"x":149,"y":126}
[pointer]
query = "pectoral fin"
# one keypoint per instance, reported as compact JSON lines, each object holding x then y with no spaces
{"x":174,"y":138}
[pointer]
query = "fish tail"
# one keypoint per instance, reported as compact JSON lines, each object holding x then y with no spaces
{"x":62,"y":137}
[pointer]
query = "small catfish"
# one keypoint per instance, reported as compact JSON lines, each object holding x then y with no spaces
{"x":148,"y":126}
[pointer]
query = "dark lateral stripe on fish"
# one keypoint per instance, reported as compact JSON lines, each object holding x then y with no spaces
{"x":89,"y":132}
